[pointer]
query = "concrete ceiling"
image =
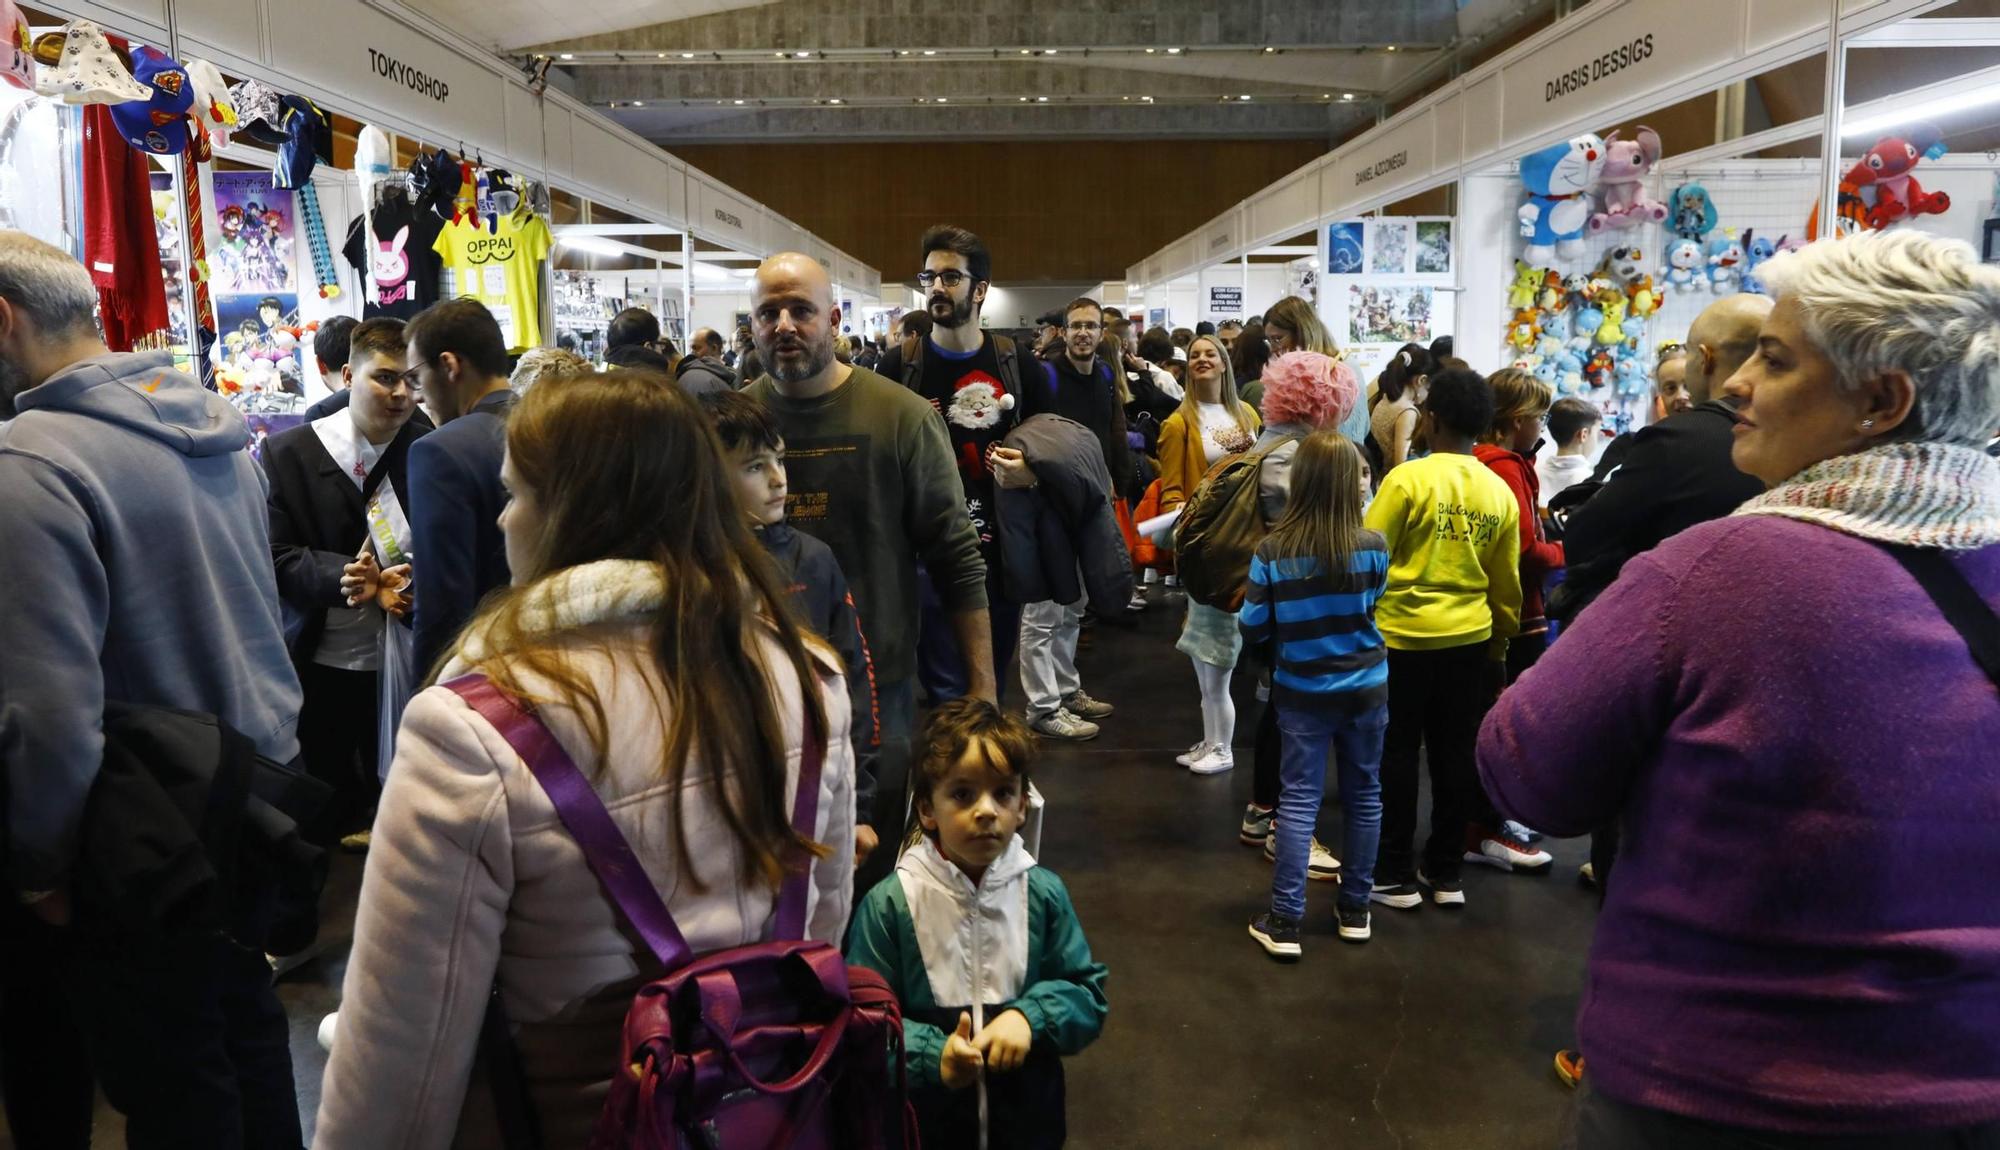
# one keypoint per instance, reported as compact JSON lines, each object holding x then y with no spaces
{"x":831,"y":70}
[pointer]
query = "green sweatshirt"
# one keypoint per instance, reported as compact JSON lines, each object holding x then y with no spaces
{"x":872,"y":477}
{"x":1062,"y":998}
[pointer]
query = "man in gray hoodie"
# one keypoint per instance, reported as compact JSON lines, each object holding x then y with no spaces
{"x":134,"y":520}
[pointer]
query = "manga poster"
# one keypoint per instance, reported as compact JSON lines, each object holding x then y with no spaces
{"x":253,"y":264}
{"x":255,"y":250}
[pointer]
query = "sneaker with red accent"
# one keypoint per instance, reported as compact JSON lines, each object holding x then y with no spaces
{"x":1501,"y":850}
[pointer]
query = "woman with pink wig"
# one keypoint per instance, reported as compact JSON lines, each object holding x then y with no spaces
{"x":1304,"y":392}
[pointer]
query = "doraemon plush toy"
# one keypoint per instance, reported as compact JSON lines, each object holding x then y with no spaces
{"x":1559,"y":179}
{"x":1694,"y":214}
{"x":1725,"y":264}
{"x":1686,"y":266}
{"x":1756,"y":249}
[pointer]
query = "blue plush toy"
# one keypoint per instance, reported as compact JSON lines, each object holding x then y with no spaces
{"x":1725,"y":264}
{"x":1589,"y":320}
{"x":1569,"y":372}
{"x":1686,"y":267}
{"x":1693,"y":213}
{"x":1757,"y":249}
{"x":1630,"y":376}
{"x":1547,"y":373}
{"x":1559,"y":179}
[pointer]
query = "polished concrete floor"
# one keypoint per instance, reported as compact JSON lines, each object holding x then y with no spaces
{"x":1437,"y":1035}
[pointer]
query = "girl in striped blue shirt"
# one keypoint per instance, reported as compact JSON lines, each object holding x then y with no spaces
{"x":1310,"y":613}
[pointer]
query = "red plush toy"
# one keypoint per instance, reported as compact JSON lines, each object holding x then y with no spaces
{"x":1886,"y":168}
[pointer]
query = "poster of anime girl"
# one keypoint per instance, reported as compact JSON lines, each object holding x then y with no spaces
{"x":254,"y":250}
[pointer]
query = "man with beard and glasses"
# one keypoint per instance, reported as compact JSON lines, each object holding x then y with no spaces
{"x":972,"y":378}
{"x":871,"y":475}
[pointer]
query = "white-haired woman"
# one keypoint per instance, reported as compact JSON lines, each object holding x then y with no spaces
{"x":1804,"y":938}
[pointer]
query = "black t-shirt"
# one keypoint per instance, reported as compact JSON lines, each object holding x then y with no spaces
{"x":969,"y":392}
{"x":405,"y":267}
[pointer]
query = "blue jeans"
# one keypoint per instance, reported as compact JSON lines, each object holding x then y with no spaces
{"x":940,"y":664}
{"x":1357,"y":742}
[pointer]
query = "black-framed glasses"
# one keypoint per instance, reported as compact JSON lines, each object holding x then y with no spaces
{"x":1086,"y":325}
{"x":414,"y":378}
{"x":951,"y":277}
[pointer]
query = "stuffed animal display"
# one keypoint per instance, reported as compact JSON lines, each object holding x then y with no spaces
{"x":1693,"y":213}
{"x":1559,"y":179}
{"x":1725,"y":264}
{"x":1686,"y":264}
{"x":1886,"y":168}
{"x":1757,"y":249}
{"x":1627,"y":163}
{"x":1527,"y":285}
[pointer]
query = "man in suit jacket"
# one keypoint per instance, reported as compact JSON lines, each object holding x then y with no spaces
{"x":334,"y":484}
{"x":459,"y":359}
{"x":333,"y":347}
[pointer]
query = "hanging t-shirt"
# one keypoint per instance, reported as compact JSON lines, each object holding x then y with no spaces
{"x":503,"y":270}
{"x":403,"y":260}
{"x":966,"y":389}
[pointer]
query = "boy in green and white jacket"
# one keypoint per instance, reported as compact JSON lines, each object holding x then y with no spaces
{"x":968,"y":918}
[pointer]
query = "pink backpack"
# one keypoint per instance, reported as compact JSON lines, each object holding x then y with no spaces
{"x":775,"y":1044}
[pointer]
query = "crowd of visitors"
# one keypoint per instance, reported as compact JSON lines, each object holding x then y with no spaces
{"x":629,"y":680}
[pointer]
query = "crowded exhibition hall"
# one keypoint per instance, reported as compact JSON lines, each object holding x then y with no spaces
{"x":876,"y":574}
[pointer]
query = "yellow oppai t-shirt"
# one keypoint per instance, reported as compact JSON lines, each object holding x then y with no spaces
{"x":1454,"y":532}
{"x":502,"y":269}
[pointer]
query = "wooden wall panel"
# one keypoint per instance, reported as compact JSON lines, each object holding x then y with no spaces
{"x":1064,"y":212}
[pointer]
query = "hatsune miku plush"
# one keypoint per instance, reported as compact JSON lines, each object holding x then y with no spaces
{"x":1559,"y":179}
{"x":1686,"y":266}
{"x":1694,"y":214}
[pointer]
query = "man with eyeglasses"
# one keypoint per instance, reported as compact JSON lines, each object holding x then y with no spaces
{"x":336,"y":484}
{"x":972,"y":379}
{"x":1078,"y":386}
{"x":458,"y":360}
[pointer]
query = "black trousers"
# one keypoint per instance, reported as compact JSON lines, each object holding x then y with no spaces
{"x":1602,"y":1124}
{"x":338,"y":746}
{"x":186,"y":1036}
{"x":1436,"y":701}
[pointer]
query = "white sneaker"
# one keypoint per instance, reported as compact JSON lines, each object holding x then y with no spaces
{"x":1187,"y":758}
{"x":1216,"y":761}
{"x":1150,"y":576}
{"x":1320,"y":864}
{"x":1504,"y":852}
{"x":1063,"y":725}
{"x":1138,"y":602}
{"x":327,"y":1026}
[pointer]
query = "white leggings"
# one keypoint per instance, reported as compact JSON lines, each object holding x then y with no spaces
{"x":1218,"y":710}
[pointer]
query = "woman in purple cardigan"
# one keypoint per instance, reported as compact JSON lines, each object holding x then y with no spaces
{"x":1803,"y":940}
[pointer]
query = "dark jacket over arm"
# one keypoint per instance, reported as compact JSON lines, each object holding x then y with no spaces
{"x":1064,"y":521}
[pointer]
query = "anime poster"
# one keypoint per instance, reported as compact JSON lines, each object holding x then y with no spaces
{"x":1388,"y":314}
{"x":1434,"y":247}
{"x":265,"y":424}
{"x":173,"y":262}
{"x":1343,"y":248}
{"x":257,"y":352}
{"x":255,"y":249}
{"x":1389,"y":247}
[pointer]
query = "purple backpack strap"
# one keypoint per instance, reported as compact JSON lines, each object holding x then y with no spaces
{"x":604,"y":848}
{"x":609,"y":855}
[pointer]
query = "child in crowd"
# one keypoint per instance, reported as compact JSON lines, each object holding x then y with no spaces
{"x":1309,"y":610}
{"x":981,"y":946}
{"x":1452,"y":602}
{"x":754,"y":453}
{"x":1573,"y":425}
{"x":1520,"y":411}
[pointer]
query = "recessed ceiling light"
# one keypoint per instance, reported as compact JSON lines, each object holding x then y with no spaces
{"x":638,"y":103}
{"x":1050,"y":52}
{"x":902,"y":51}
{"x":835,"y":100}
{"x":739,"y":101}
{"x":1326,"y":95}
{"x":1173,"y":51}
{"x":1243,"y":97}
{"x":569,"y":55}
{"x":1041,"y":99}
{"x":1347,"y":95}
{"x":1150,"y":51}
{"x":1024,"y":52}
{"x":1024,"y":99}
{"x":1126,"y":98}
{"x":941,"y":100}
{"x":1268,"y":51}
{"x":930,"y":51}
{"x":663,"y":55}
{"x":687,"y":55}
{"x":1147,"y":99}
{"x":1390,"y":48}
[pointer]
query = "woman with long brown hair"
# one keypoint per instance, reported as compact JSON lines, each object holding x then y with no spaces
{"x":650,"y":634}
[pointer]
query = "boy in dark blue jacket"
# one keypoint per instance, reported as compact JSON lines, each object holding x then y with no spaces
{"x":754,"y":452}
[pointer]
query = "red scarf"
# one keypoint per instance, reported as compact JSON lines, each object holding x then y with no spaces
{"x":120,"y":247}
